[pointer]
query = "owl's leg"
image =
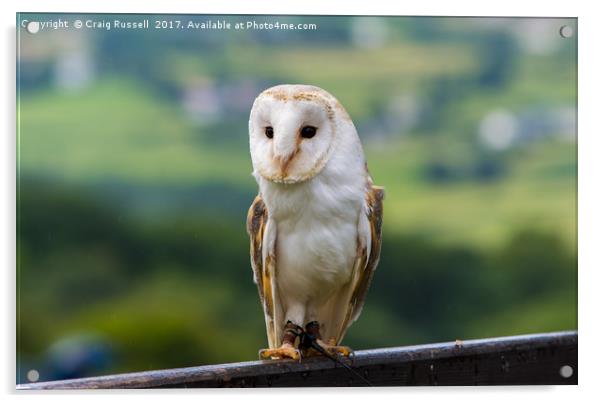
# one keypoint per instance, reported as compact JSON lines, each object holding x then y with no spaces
{"x":287,"y":349}
{"x":312,"y":329}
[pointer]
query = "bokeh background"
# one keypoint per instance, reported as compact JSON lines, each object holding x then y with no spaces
{"x":134,"y":182}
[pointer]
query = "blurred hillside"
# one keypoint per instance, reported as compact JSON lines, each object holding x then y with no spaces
{"x":134,"y":181}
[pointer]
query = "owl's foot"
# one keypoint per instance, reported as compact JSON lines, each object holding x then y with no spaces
{"x":312,"y":331}
{"x":284,"y":351}
{"x":333,"y":349}
{"x":287,"y":350}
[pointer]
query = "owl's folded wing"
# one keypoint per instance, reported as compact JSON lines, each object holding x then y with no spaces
{"x":368,"y":255}
{"x":263,"y":263}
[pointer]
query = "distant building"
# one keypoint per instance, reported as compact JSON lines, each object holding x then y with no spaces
{"x":498,"y":130}
{"x":58,"y":58}
{"x":369,"y":32}
{"x":237,"y":96}
{"x":399,"y":116}
{"x":208,"y":101}
{"x":501,"y":129}
{"x":73,"y":70}
{"x":201,"y":101}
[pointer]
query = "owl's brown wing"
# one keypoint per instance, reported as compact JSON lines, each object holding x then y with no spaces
{"x":368,"y":255}
{"x":263,"y":262}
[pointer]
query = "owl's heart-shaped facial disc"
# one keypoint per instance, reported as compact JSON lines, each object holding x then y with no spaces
{"x":292,"y":131}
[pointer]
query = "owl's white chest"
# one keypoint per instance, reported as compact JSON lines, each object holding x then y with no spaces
{"x":316,"y":240}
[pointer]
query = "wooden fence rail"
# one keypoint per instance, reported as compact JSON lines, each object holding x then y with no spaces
{"x":538,"y":359}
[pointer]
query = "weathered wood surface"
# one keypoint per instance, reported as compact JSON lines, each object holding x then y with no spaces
{"x":518,"y":360}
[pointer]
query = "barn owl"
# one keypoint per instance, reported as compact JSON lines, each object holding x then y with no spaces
{"x":315,"y":226}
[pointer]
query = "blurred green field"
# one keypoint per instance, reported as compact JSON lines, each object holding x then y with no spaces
{"x":119,"y":130}
{"x":146,"y":141}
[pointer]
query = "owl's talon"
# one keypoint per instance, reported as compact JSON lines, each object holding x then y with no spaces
{"x":334,"y":349}
{"x":279,"y":353}
{"x":339,"y":350}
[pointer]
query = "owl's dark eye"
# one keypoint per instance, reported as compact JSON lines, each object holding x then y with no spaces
{"x":269,"y":132}
{"x":308,"y":132}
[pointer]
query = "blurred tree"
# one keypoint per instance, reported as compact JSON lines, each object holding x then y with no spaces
{"x":498,"y":54}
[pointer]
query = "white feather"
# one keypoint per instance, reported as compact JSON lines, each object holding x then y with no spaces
{"x":315,"y":221}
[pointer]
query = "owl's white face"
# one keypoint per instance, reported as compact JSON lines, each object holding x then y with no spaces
{"x":292,"y":131}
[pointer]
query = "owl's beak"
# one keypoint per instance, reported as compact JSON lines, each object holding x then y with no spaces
{"x":284,"y":162}
{"x":285,"y":149}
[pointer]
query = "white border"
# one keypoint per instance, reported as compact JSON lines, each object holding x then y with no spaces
{"x":590,"y":265}
{"x":332,"y":7}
